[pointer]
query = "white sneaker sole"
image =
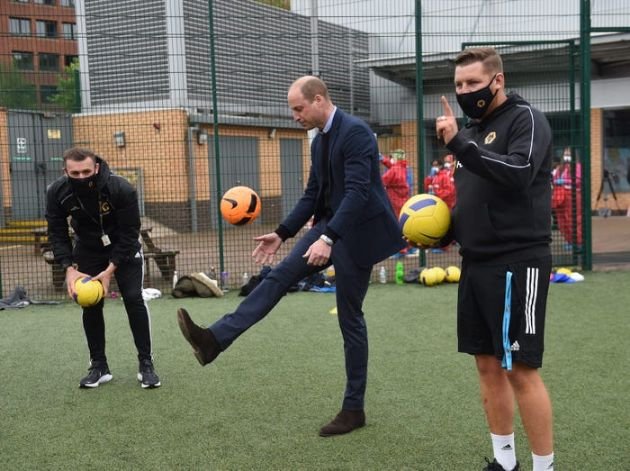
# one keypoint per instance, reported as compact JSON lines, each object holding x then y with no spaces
{"x":102,"y":380}
{"x":148,"y":386}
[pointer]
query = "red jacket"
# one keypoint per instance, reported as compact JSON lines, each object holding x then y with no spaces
{"x":444,"y":187}
{"x":395,"y":182}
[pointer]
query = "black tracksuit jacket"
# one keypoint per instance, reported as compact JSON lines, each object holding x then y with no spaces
{"x":503,"y":183}
{"x":120,"y":213}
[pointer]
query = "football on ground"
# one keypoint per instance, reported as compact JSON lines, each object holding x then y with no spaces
{"x":240,"y":205}
{"x":424,"y":219}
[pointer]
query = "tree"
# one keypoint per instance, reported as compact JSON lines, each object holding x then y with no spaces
{"x":15,"y":91}
{"x":68,"y":87}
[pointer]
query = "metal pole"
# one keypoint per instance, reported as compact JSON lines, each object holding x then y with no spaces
{"x":314,"y":39}
{"x":585,"y":105}
{"x":573,"y":125}
{"x":77,"y":91}
{"x":192,"y":181}
{"x":215,"y":137}
{"x":419,"y":107}
{"x":351,"y":68}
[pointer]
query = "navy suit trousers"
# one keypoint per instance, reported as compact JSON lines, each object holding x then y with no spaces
{"x":351,"y":287}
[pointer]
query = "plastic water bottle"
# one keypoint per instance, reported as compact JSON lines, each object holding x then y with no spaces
{"x":225,"y":276}
{"x":175,"y":278}
{"x":400,"y":273}
{"x":245,"y":278}
{"x":382,"y":275}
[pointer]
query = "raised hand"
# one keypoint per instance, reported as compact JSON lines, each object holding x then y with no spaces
{"x":267,"y":247}
{"x":446,"y":125}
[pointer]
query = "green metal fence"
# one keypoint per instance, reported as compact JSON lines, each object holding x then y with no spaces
{"x":188,"y":98}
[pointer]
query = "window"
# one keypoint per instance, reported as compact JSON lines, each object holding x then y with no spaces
{"x":69,"y":31}
{"x":67,"y":3}
{"x":20,"y":26}
{"x":46,"y":29}
{"x":616,"y":151}
{"x":68,"y":60}
{"x":48,"y":62}
{"x":23,"y":60}
{"x":46,"y":92}
{"x":45,"y":2}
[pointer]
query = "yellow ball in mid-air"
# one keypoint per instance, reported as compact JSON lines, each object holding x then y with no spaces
{"x":88,"y":292}
{"x":424,"y":219}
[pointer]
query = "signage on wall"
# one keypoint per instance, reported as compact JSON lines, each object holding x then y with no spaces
{"x":54,"y":133}
{"x":20,"y":145}
{"x":21,"y":148}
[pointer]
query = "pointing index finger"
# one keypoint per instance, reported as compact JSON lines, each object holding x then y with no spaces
{"x":448,"y":111}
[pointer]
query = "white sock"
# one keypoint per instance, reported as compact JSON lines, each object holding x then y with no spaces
{"x":543,"y":463}
{"x":503,"y":448}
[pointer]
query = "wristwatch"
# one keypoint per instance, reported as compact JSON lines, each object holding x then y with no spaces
{"x":326,"y":239}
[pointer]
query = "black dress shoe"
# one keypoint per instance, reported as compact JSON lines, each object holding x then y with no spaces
{"x":345,"y":421}
{"x":205,"y":346}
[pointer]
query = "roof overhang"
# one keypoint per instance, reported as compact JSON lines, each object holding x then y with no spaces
{"x":610,"y":58}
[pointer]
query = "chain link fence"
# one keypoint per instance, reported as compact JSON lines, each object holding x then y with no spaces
{"x":187,"y":99}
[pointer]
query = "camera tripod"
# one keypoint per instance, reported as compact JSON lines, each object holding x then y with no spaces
{"x":606,"y":211}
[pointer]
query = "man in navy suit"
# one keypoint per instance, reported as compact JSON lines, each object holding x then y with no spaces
{"x":354,"y":227}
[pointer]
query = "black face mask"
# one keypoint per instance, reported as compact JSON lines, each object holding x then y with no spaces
{"x":84,"y":186}
{"x":475,"y":104}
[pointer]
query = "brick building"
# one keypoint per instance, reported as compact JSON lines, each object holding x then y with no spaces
{"x":39,"y":38}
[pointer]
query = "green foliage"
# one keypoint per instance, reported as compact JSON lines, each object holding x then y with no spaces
{"x":260,"y":404}
{"x":68,"y":86}
{"x":15,"y":91}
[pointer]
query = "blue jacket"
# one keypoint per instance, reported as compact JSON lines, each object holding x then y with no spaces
{"x":362,"y":217}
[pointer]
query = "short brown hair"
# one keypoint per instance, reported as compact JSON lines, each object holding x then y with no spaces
{"x":78,"y":154}
{"x":488,"y":56}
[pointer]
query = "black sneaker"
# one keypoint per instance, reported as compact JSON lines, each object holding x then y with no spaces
{"x":147,"y":376}
{"x":495,"y":466}
{"x":97,"y":375}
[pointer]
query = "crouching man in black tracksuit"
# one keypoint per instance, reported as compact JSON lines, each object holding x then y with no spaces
{"x":502,"y":220}
{"x":105,"y":218}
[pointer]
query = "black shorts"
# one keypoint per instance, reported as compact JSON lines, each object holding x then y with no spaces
{"x":495,"y":320}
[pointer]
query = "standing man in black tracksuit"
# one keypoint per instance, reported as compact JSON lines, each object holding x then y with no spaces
{"x":502,"y":220}
{"x":105,"y":218}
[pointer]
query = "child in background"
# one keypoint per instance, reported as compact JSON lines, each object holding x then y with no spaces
{"x":397,"y":187}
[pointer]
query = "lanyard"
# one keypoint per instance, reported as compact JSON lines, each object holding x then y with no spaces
{"x":100,"y":213}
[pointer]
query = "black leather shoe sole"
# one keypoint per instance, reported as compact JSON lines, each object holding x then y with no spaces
{"x":340,"y":432}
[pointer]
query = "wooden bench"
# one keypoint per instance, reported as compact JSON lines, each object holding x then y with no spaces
{"x":58,"y":274}
{"x":40,"y":239}
{"x":164,"y":259}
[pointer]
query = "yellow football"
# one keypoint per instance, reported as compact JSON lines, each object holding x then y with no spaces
{"x":452,"y":274}
{"x":88,"y":292}
{"x":429,"y":277}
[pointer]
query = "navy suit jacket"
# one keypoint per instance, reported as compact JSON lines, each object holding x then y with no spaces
{"x":362,"y":216}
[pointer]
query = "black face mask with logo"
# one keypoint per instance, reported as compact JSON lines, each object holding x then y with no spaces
{"x":475,"y":104}
{"x":84,"y":186}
